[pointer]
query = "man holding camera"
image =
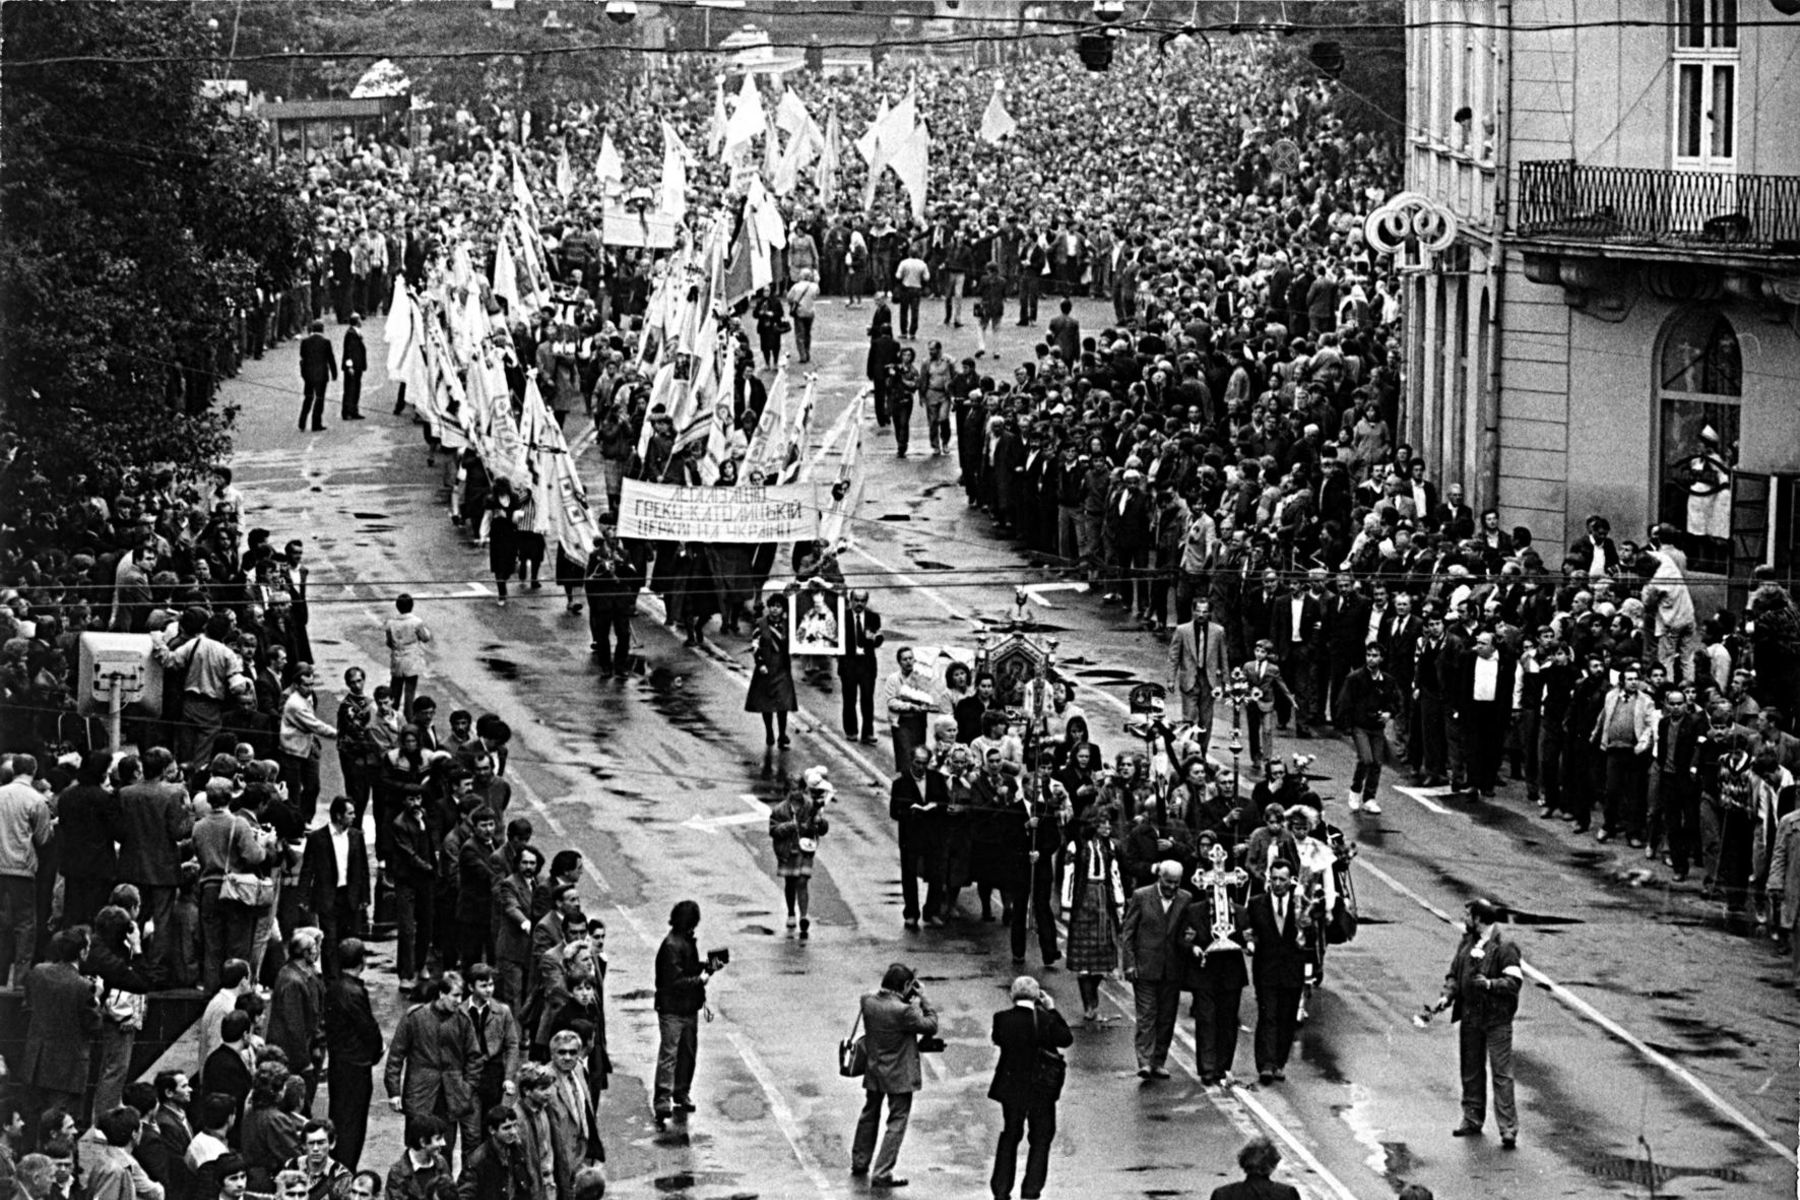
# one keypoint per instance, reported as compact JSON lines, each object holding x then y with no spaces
{"x":680,"y":995}
{"x":1027,"y":1083}
{"x":898,"y":1022}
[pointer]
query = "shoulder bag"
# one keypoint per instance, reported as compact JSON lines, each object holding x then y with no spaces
{"x":853,"y":1051}
{"x":1049,"y":1070}
{"x":246,"y":887}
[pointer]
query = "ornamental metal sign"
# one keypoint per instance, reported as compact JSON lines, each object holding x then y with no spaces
{"x":1411,"y":228}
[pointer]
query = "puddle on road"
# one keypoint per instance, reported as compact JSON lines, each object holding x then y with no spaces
{"x":370,"y":516}
{"x":895,"y":517}
{"x":927,"y":564}
{"x":502,"y":668}
{"x":1398,"y":1163}
{"x":1322,"y":1059}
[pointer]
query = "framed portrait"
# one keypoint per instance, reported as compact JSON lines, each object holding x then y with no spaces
{"x":816,"y":621}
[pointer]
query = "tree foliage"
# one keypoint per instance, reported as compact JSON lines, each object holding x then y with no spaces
{"x":437,"y":45}
{"x":135,"y":215}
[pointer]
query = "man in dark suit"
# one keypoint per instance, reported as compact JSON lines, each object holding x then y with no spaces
{"x":1150,"y":951}
{"x":1215,"y":970}
{"x":1278,"y":968}
{"x":1029,"y":1033}
{"x":353,"y":1045}
{"x":63,"y":1020}
{"x":1454,"y":517}
{"x":1347,"y":617}
{"x":318,"y":367}
{"x":1258,"y":1160}
{"x":154,"y":819}
{"x":916,"y":803}
{"x":1297,"y":627}
{"x":342,"y":280}
{"x":858,"y":666}
{"x":174,"y":1094}
{"x":227,"y":1068}
{"x":356,"y":361}
{"x":334,"y":878}
{"x":1483,"y":704}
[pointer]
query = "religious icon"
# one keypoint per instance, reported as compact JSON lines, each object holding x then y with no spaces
{"x":816,"y":622}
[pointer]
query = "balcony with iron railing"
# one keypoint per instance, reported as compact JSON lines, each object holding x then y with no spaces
{"x":1691,"y":212}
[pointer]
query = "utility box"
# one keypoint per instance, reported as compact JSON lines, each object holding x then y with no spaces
{"x":126,"y":659}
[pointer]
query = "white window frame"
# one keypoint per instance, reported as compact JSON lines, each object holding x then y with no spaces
{"x":1718,"y":56}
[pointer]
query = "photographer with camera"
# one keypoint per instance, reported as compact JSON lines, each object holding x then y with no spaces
{"x":681,"y":978}
{"x":1028,"y":1082}
{"x":898,"y":1024}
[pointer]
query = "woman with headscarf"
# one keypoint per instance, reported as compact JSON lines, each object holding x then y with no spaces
{"x":795,"y":826}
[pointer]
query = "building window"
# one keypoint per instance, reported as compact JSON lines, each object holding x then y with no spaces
{"x":1705,"y":77}
{"x":1699,"y":388}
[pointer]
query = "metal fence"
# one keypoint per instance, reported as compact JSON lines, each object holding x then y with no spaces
{"x":1694,"y":209}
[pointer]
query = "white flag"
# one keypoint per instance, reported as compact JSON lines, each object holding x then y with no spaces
{"x":840,"y":494}
{"x":747,"y":119}
{"x":996,"y":122}
{"x":911,"y":161}
{"x":609,"y":168}
{"x":565,"y":175}
{"x":674,"y":172}
{"x":715,"y":129}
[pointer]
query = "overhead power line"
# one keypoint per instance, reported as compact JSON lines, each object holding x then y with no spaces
{"x":1063,"y":29}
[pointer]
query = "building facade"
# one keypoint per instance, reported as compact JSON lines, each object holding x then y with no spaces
{"x":1616,"y":329}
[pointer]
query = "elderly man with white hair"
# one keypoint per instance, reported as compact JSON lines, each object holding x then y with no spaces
{"x":1027,"y":1083}
{"x":1150,"y":951}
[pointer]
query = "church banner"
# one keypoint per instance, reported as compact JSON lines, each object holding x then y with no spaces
{"x":667,"y":512}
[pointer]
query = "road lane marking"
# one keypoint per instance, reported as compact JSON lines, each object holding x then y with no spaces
{"x":1246,"y":1113}
{"x":1424,"y":797}
{"x":1583,"y":1008}
{"x":778,"y":1108}
{"x":759,"y":812}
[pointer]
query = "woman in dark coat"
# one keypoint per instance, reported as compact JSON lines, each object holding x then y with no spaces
{"x":474,"y":492}
{"x":503,"y":534}
{"x":771,"y":323}
{"x":884,"y":352}
{"x":772,"y":682}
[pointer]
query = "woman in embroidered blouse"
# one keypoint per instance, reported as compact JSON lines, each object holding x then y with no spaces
{"x":1093,"y":897}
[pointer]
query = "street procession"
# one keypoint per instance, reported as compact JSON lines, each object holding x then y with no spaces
{"x":1085,"y":588}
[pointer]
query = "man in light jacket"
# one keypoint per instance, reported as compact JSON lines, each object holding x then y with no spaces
{"x":1625,"y":735}
{"x":893,"y":1020}
{"x":1197,"y":666}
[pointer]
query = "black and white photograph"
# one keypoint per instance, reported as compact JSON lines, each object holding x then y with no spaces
{"x":952,"y":598}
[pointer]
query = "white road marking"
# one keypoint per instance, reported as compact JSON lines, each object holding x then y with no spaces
{"x":1424,"y":797}
{"x":826,"y":438}
{"x":758,"y":812}
{"x":1248,"y":1114}
{"x":1584,"y":1009}
{"x":778,"y":1108}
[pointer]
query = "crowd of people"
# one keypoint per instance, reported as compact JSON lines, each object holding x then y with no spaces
{"x":1218,"y":461}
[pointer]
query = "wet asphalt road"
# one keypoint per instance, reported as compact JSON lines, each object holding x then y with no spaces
{"x":1649,"y":1034}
